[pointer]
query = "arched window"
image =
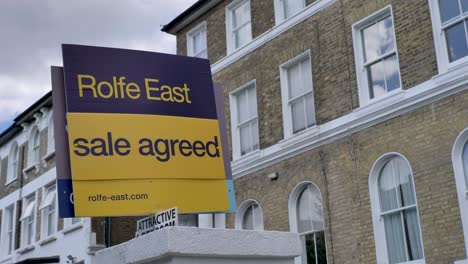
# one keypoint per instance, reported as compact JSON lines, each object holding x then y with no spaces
{"x":12,"y":172}
{"x":395,"y":212}
{"x":34,"y":142}
{"x":249,"y":216}
{"x":306,"y":218}
{"x":460,"y":168}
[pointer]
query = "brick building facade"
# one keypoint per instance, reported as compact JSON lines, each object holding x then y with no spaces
{"x":347,"y":121}
{"x":31,"y":231}
{"x":381,"y":88}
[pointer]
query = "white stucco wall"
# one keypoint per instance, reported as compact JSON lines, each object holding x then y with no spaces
{"x":73,"y":240}
{"x":180,"y":245}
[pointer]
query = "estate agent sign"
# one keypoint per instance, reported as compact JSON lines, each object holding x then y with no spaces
{"x":143,"y":133}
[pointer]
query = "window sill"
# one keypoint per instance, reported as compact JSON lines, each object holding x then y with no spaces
{"x":47,"y":240}
{"x":247,"y":157}
{"x":34,"y":167}
{"x":299,"y":136}
{"x":10,"y":181}
{"x":452,"y":66}
{"x":72,"y":228}
{"x":48,"y":157}
{"x":25,"y":249}
{"x":376,"y":104}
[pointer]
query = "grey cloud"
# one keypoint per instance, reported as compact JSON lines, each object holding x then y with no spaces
{"x":31,"y":32}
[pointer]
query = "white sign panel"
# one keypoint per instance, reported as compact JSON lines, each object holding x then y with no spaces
{"x":158,"y":221}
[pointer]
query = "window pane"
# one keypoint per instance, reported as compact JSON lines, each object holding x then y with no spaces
{"x":392,"y":73}
{"x":321,"y":247}
{"x":254,"y":127}
{"x":395,"y":238}
{"x":370,"y":37}
{"x":298,"y":115}
{"x":196,"y":43}
{"x":387,"y":188}
{"x":413,"y":235}
{"x":304,"y":221}
{"x":50,"y":223}
{"x":306,"y":75}
{"x":202,"y":40}
{"x":188,"y":220}
{"x":456,"y":42}
{"x":309,"y":210}
{"x":310,"y":249}
{"x":376,"y":79}
{"x":464,"y":4}
{"x":465,"y":163}
{"x":242,"y":36}
{"x":291,"y":7}
{"x":405,"y":187}
{"x":449,"y":9}
{"x":310,"y":111}
{"x":252,"y":94}
{"x":294,"y":81}
{"x":245,"y":140}
{"x":242,"y":108}
{"x":387,"y":39}
{"x":241,"y":14}
{"x":29,"y":231}
{"x":248,"y":218}
{"x":316,"y":210}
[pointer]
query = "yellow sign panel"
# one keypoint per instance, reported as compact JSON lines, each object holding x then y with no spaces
{"x":97,"y":198}
{"x":125,"y":146}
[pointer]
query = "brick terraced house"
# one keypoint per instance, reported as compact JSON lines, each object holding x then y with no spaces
{"x":348,"y":121}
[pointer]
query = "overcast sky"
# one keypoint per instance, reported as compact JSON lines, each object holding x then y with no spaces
{"x":32,"y":31}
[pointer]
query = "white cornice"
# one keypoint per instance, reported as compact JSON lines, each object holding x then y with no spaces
{"x":270,"y":34}
{"x":437,"y":88}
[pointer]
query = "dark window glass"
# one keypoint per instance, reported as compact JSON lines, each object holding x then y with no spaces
{"x":456,"y":41}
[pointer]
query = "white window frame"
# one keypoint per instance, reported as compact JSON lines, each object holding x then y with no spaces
{"x":34,"y":148}
{"x":292,"y":213}
{"x":377,"y":219}
{"x":461,"y":185}
{"x":24,"y":221}
{"x":13,"y":163}
{"x":191,"y":34}
{"x":4,"y":234}
{"x":361,"y":72}
{"x":50,"y":135}
{"x":72,"y":223}
{"x":229,"y":26}
{"x":257,"y":215}
{"x":235,"y":131}
{"x":443,"y":62}
{"x":280,"y":12}
{"x":286,"y":107}
{"x":45,"y":212}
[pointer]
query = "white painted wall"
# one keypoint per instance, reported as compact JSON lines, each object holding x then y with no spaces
{"x":183,"y":245}
{"x":72,"y":240}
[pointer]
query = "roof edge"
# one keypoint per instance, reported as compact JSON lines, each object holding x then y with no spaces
{"x":189,"y":15}
{"x":26,"y":116}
